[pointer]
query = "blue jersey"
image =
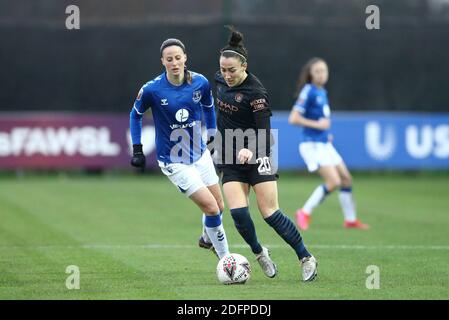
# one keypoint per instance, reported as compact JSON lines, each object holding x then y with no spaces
{"x":177,"y":113}
{"x":312,"y":103}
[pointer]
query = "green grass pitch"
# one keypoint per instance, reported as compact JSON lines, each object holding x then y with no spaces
{"x":136,"y":238}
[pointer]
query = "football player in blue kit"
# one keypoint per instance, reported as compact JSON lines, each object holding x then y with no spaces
{"x":178,"y":99}
{"x":311,"y":111}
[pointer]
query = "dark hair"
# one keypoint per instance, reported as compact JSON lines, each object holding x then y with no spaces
{"x":235,"y":47}
{"x":305,"y":76}
{"x":175,"y":42}
{"x":172,"y":42}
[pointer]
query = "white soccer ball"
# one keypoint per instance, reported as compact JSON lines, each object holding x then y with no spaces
{"x":233,"y":268}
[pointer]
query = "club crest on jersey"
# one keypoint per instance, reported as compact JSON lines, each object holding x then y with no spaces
{"x":196,"y":96}
{"x":319,"y":100}
{"x":164,"y":102}
{"x":238,"y":97}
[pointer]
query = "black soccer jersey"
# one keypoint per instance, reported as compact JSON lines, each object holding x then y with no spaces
{"x":243,"y":116}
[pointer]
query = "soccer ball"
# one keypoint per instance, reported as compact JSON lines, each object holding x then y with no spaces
{"x":233,"y":268}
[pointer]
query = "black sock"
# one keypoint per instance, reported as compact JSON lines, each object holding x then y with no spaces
{"x":245,"y":226}
{"x":287,"y":230}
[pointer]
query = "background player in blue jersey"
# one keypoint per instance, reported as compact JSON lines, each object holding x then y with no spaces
{"x":243,"y":105}
{"x":312,"y":112}
{"x":178,"y":98}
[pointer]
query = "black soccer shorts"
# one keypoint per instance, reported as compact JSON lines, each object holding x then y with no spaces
{"x":246,"y":173}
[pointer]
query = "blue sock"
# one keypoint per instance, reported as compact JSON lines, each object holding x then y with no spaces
{"x":212,"y":221}
{"x":287,"y":230}
{"x":245,"y":226}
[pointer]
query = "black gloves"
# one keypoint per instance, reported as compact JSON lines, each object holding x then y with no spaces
{"x":138,"y":159}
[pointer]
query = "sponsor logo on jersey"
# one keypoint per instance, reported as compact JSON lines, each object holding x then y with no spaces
{"x":258,"y":104}
{"x":182,"y":115}
{"x":226,"y":107}
{"x":183,"y":126}
{"x":164,"y":102}
{"x":196,"y":96}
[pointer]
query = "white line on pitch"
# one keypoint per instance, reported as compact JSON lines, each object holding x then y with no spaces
{"x":186,"y":246}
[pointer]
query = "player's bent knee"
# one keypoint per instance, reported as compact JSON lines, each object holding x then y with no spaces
{"x":334,"y":184}
{"x":346,"y":182}
{"x":267,"y":211}
{"x":210,"y":209}
{"x":221,"y":205}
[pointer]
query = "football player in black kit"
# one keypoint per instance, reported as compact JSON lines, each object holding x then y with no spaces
{"x":243,"y":156}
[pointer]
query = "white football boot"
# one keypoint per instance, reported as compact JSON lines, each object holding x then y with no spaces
{"x":268,"y":266}
{"x":309,"y":268}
